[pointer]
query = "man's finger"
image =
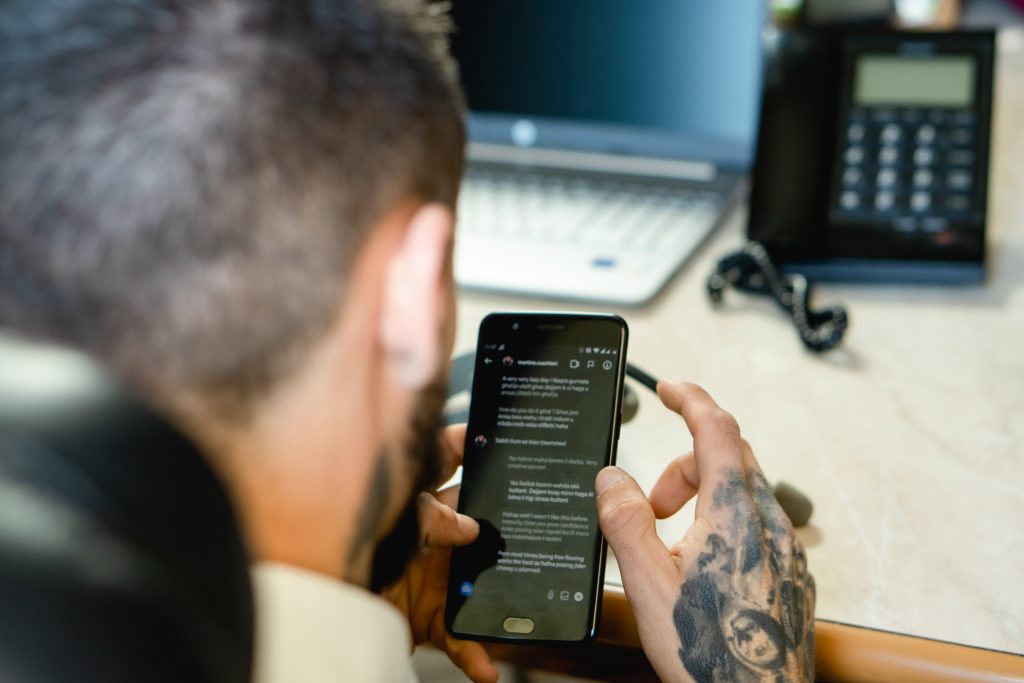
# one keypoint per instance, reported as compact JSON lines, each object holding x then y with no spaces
{"x":442,"y":527}
{"x":748,"y":458}
{"x":675,"y":487}
{"x":717,"y":446}
{"x":473,"y":659}
{"x":449,"y":496}
{"x":627,"y":520}
{"x":453,"y":441}
{"x":469,"y":656}
{"x":764,"y":497}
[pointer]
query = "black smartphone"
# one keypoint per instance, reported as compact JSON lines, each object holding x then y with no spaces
{"x":544,"y":418}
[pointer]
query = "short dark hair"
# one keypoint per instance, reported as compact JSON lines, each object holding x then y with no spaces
{"x":184,"y":183}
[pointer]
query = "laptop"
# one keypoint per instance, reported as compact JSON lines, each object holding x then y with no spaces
{"x":607,"y":139}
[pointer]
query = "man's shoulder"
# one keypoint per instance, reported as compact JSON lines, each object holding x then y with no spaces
{"x":315,"y":628}
{"x":82,"y":602}
{"x":120,"y":556}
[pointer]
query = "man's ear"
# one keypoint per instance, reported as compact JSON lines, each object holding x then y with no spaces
{"x":415,"y":297}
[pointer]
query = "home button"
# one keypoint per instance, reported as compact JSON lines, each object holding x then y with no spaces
{"x":518,"y":625}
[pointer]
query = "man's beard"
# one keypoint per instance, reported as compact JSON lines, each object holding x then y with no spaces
{"x":397,"y":549}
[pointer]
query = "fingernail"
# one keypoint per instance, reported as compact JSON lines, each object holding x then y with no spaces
{"x":673,"y":384}
{"x":468,"y":525}
{"x":607,"y":478}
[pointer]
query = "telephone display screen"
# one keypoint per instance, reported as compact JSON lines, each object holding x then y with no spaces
{"x":543,"y":421}
{"x":897,"y":80}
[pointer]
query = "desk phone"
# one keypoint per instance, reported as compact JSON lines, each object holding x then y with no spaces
{"x":873,"y":155}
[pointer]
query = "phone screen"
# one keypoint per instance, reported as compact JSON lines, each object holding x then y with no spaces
{"x":544,"y":418}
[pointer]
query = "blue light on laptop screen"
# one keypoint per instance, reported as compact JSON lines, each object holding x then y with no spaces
{"x":685,"y":68}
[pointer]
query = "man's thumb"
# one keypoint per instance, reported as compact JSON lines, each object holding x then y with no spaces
{"x":627,"y":520}
{"x":442,"y":527}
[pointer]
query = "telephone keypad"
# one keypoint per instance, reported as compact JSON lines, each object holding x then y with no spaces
{"x":920,"y":201}
{"x":905,"y":165}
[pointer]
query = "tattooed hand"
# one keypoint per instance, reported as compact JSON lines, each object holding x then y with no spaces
{"x":732,"y":600}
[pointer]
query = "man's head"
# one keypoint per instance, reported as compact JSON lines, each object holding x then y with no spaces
{"x":245,"y":207}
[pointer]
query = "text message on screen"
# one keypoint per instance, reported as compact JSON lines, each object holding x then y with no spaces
{"x":541,"y":428}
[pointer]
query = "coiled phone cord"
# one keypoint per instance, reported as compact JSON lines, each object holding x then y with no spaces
{"x":751,"y":270}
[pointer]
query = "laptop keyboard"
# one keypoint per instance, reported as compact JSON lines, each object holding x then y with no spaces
{"x":605,"y":215}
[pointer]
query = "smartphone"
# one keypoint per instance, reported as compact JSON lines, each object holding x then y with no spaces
{"x":544,"y":418}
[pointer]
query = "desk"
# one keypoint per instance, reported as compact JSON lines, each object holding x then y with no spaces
{"x":909,"y":440}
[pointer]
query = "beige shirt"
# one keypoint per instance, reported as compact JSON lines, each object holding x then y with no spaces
{"x":313,"y":629}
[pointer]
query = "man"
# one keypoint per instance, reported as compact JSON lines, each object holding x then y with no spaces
{"x":246,"y":209}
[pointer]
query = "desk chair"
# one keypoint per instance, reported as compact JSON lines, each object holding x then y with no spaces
{"x":120,"y":556}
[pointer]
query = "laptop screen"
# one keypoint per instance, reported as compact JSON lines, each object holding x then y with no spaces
{"x":664,"y":78}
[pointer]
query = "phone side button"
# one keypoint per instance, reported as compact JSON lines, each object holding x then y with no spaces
{"x":519,"y":625}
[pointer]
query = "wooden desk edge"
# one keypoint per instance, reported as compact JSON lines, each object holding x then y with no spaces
{"x":852,"y":654}
{"x":843,"y":654}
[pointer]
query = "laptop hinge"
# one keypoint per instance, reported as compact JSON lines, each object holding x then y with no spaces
{"x":592,"y":161}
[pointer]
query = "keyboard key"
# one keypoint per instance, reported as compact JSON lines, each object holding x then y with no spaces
{"x":883,"y":115}
{"x":960,"y":157}
{"x":849,"y":200}
{"x":964,"y":117}
{"x":959,"y":180}
{"x":961,"y":136}
{"x":905,"y":224}
{"x":958,"y":202}
{"x":891,"y":134}
{"x":886,"y":178}
{"x":885,"y":200}
{"x":912,"y":115}
{"x":888,"y":156}
{"x":920,"y":201}
{"x":934,"y":224}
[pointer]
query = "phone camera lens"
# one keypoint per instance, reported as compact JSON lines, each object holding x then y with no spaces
{"x":515,"y":326}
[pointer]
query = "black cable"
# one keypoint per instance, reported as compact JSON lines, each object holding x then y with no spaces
{"x":751,"y":270}
{"x":642,"y":377}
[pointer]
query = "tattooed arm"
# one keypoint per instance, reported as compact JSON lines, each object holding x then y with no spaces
{"x":732,"y":600}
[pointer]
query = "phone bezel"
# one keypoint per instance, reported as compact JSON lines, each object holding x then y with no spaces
{"x":532,"y":321}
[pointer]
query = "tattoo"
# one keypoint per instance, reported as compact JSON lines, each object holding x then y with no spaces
{"x":746,"y":612}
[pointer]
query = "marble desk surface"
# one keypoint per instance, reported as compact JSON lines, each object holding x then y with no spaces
{"x":909,"y":440}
